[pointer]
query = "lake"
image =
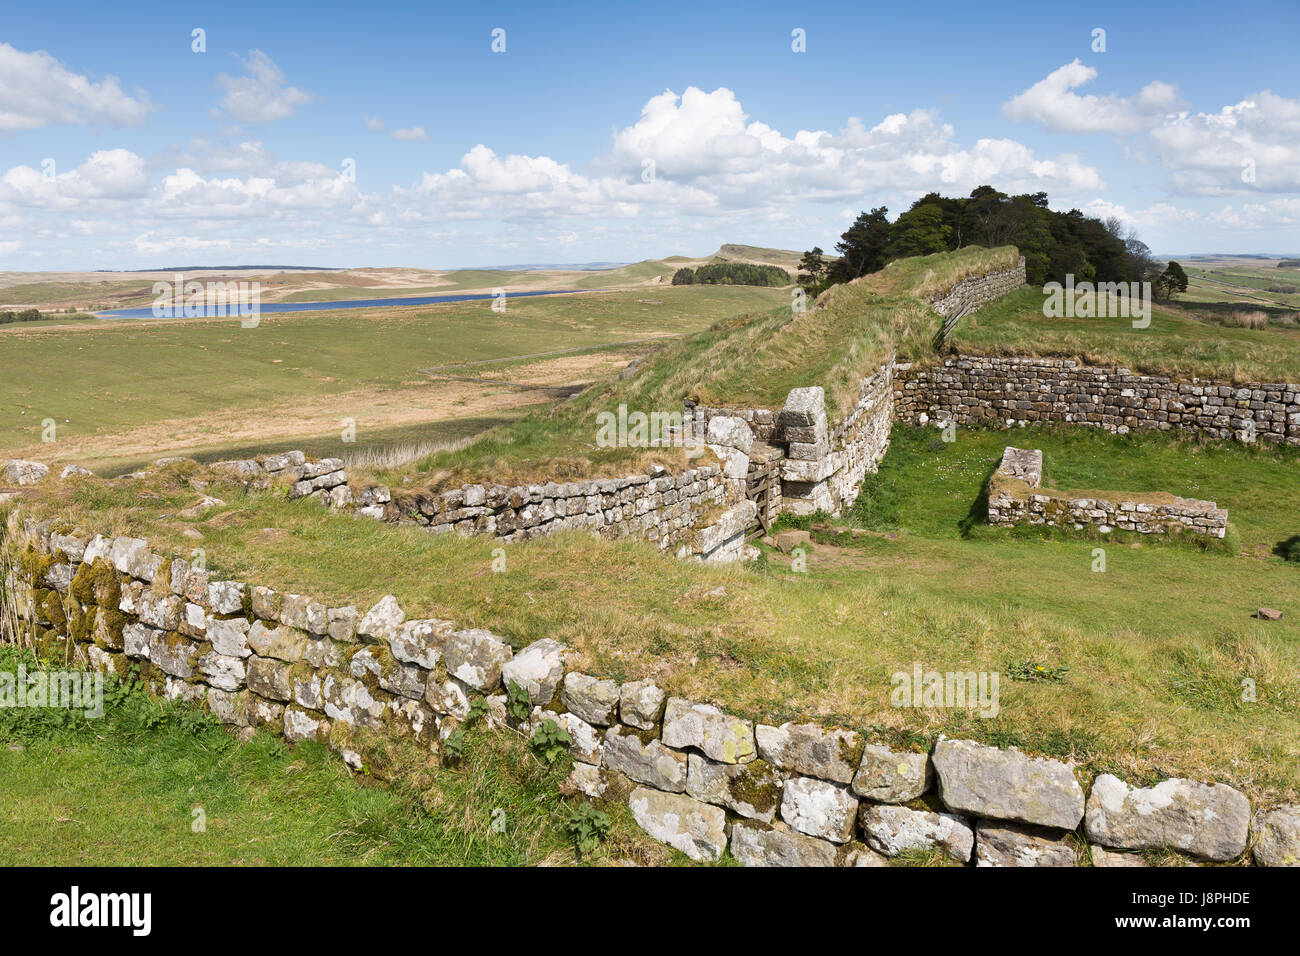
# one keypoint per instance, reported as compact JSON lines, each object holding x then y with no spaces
{"x":218,"y":311}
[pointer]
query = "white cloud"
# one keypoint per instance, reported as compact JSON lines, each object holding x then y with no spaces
{"x":109,"y":174}
{"x":1208,"y":153}
{"x":706,"y":140}
{"x":1052,"y":102}
{"x":37,"y":90}
{"x":689,"y":169}
{"x":260,"y":97}
{"x":414,"y":134}
{"x":373,"y":123}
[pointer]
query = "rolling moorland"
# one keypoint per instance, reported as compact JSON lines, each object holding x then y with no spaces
{"x":1147,"y":656}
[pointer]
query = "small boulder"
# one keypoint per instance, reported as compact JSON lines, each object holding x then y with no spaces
{"x":22,"y":472}
{"x":695,"y":828}
{"x":1269,"y":614}
{"x":1277,"y":837}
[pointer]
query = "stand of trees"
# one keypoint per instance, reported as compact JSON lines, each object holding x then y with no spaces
{"x":26,"y":315}
{"x":732,"y":273}
{"x":1054,"y":244}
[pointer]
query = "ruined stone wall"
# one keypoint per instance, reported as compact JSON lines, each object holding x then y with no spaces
{"x":970,"y":294}
{"x":826,"y":472}
{"x":982,"y":390}
{"x":693,"y":776}
{"x":660,"y":507}
{"x":1016,"y":498}
{"x":761,"y":421}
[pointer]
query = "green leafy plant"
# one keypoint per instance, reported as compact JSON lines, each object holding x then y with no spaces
{"x":551,"y":741}
{"x":453,"y":748}
{"x":477,"y":711}
{"x":518,"y":704}
{"x":1290,"y":549}
{"x":589,"y":827}
{"x":1034,"y":672}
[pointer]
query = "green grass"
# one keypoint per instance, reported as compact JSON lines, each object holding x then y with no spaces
{"x":1156,"y":646}
{"x":123,"y":790}
{"x":141,"y":374}
{"x":1174,"y":344}
{"x":928,"y":486}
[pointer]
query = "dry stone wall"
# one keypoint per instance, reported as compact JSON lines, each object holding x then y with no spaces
{"x":661,"y":507}
{"x":694,"y":776}
{"x":990,"y":390}
{"x":1016,"y":498}
{"x":969,"y":294}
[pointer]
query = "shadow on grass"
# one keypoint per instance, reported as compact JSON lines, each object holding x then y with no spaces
{"x":1289,"y":549}
{"x":978,"y":515}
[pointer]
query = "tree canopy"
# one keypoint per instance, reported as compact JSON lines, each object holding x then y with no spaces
{"x":731,"y":273}
{"x":1054,"y":244}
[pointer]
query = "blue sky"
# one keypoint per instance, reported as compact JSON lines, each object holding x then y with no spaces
{"x":620,"y":132}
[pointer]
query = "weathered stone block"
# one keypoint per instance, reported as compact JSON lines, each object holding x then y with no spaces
{"x":751,"y":789}
{"x":648,"y":762}
{"x":889,"y":776}
{"x":1013,"y":844}
{"x":695,"y":828}
{"x":595,"y":701}
{"x":1277,"y":837}
{"x":1007,"y":785}
{"x":1203,"y":820}
{"x":755,"y":846}
{"x":538,"y":669}
{"x":892,"y":830}
{"x":476,"y":657}
{"x":809,"y":750}
{"x":421,"y":642}
{"x":706,"y":728}
{"x":819,"y":808}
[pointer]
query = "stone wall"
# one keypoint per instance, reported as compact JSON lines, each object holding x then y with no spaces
{"x":694,"y":777}
{"x":761,"y":421}
{"x":1016,"y":498}
{"x":981,"y":390}
{"x":660,"y":507}
{"x":969,"y":294}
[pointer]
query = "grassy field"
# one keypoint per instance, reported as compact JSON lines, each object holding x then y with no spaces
{"x":127,"y":389}
{"x":1156,"y":646}
{"x":72,"y":785}
{"x":744,"y":360}
{"x":1176,"y":342}
{"x":1222,"y":283}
